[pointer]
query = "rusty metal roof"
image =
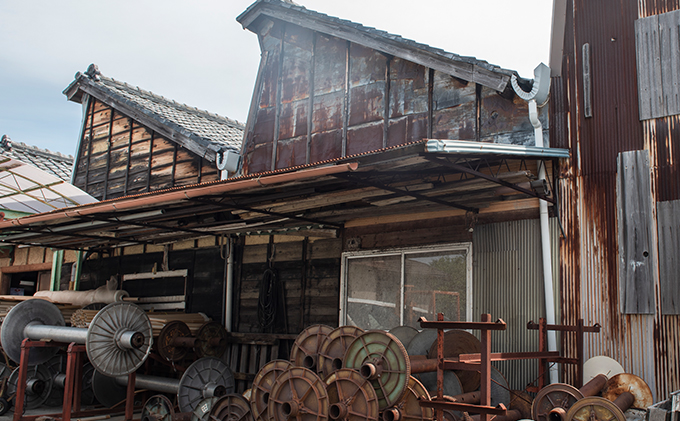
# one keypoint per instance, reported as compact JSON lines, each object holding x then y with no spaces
{"x":312,"y":200}
{"x":199,"y":131}
{"x":466,"y":68}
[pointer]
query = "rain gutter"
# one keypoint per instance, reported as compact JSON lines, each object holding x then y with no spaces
{"x":465,"y":147}
{"x":137,"y":202}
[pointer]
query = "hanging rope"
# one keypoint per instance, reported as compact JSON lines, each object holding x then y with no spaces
{"x":268,"y":299}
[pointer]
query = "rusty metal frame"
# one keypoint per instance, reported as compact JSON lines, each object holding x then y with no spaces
{"x":468,"y":168}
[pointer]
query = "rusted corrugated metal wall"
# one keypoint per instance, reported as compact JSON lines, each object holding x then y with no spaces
{"x":644,"y":344}
{"x":508,"y":284}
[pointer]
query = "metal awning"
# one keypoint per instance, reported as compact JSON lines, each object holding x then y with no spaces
{"x":313,"y":200}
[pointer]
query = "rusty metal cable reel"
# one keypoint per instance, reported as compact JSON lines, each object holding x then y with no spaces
{"x":408,"y":408}
{"x":457,"y":342}
{"x":351,"y":396}
{"x":158,"y":408}
{"x":262,"y":387}
{"x":595,"y":408}
{"x":381,"y":358}
{"x":333,"y":349}
{"x":305,"y":350}
{"x":404,"y":333}
{"x":38,"y":385}
{"x":211,"y":340}
{"x":171,"y":339}
{"x":231,"y":407}
{"x":300,"y":394}
{"x":626,"y":382}
{"x":555,"y":399}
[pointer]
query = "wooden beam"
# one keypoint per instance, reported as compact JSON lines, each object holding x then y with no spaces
{"x":35,"y":267}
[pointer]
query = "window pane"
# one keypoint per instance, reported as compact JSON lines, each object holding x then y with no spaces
{"x":435,"y":283}
{"x":373,"y":292}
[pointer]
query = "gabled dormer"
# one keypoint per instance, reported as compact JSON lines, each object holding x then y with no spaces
{"x":133,"y":141}
{"x":329,"y":88}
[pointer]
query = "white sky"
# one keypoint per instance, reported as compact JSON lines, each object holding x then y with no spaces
{"x":196,"y":53}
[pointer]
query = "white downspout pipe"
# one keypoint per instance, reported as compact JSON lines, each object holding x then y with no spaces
{"x":539,"y":93}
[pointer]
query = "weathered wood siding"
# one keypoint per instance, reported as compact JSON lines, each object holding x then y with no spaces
{"x":309,"y":274}
{"x":118,"y":157}
{"x":320,"y":97}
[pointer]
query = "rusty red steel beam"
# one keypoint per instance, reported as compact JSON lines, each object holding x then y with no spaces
{"x":565,"y":328}
{"x":497,"y":325}
{"x":506,"y":356}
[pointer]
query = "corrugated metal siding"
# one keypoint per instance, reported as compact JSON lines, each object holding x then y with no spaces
{"x":508,"y":284}
{"x":646,"y":345}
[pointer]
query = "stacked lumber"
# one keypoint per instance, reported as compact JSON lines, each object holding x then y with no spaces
{"x":9,"y":301}
{"x":82,"y":318}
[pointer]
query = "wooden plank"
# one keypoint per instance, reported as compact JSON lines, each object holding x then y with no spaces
{"x":26,"y":268}
{"x":636,"y":251}
{"x":647,"y":48}
{"x":668,"y":222}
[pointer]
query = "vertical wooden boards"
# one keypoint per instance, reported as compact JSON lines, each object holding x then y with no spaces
{"x":657,"y":46}
{"x":636,"y":249}
{"x":668,"y":225}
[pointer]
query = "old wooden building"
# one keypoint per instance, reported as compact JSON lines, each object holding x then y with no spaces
{"x":381,"y":180}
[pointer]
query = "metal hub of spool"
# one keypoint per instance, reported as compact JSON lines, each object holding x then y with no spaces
{"x":202,"y":410}
{"x":38,"y":385}
{"x":118,"y":340}
{"x":298,"y":393}
{"x":262,"y":387}
{"x":305,"y":350}
{"x":404,"y":333}
{"x":211,"y":340}
{"x":457,"y":342}
{"x":594,"y":408}
{"x":207,"y":377}
{"x":115,"y":324}
{"x":232,"y":407}
{"x":381,"y":358}
{"x":56,"y":366}
{"x":408,"y":408}
{"x":333,"y":349}
{"x":626,"y":382}
{"x":558,"y":395}
{"x":169,"y":332}
{"x":351,"y":397}
{"x":158,"y":408}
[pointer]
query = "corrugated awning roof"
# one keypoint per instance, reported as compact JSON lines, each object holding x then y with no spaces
{"x":25,"y":188}
{"x":313,"y":200}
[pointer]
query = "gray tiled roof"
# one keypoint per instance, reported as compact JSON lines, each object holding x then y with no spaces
{"x":467,"y":68}
{"x":207,"y":132}
{"x":53,"y":163}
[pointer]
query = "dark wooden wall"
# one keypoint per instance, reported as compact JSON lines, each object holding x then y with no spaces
{"x":320,"y":97}
{"x":118,"y":157}
{"x":309,"y":274}
{"x":205,"y":283}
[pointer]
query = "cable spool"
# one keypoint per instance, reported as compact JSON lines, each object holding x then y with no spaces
{"x":38,"y":385}
{"x":351,"y":397}
{"x":306,"y":348}
{"x":333,"y":349}
{"x":231,"y":407}
{"x":262,"y":387}
{"x":300,"y":394}
{"x":408,"y":408}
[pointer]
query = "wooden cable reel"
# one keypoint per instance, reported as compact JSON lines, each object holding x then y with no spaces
{"x":382,"y":359}
{"x":408,"y":408}
{"x":262,"y":387}
{"x":298,"y":393}
{"x":307,"y":346}
{"x":231,"y":407}
{"x":175,"y":340}
{"x":333,"y":349}
{"x":351,"y":397}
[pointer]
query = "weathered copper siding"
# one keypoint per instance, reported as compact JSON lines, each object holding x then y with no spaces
{"x":320,"y":97}
{"x":118,"y":157}
{"x":644,"y":344}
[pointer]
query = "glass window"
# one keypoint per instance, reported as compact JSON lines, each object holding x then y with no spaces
{"x":381,"y":291}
